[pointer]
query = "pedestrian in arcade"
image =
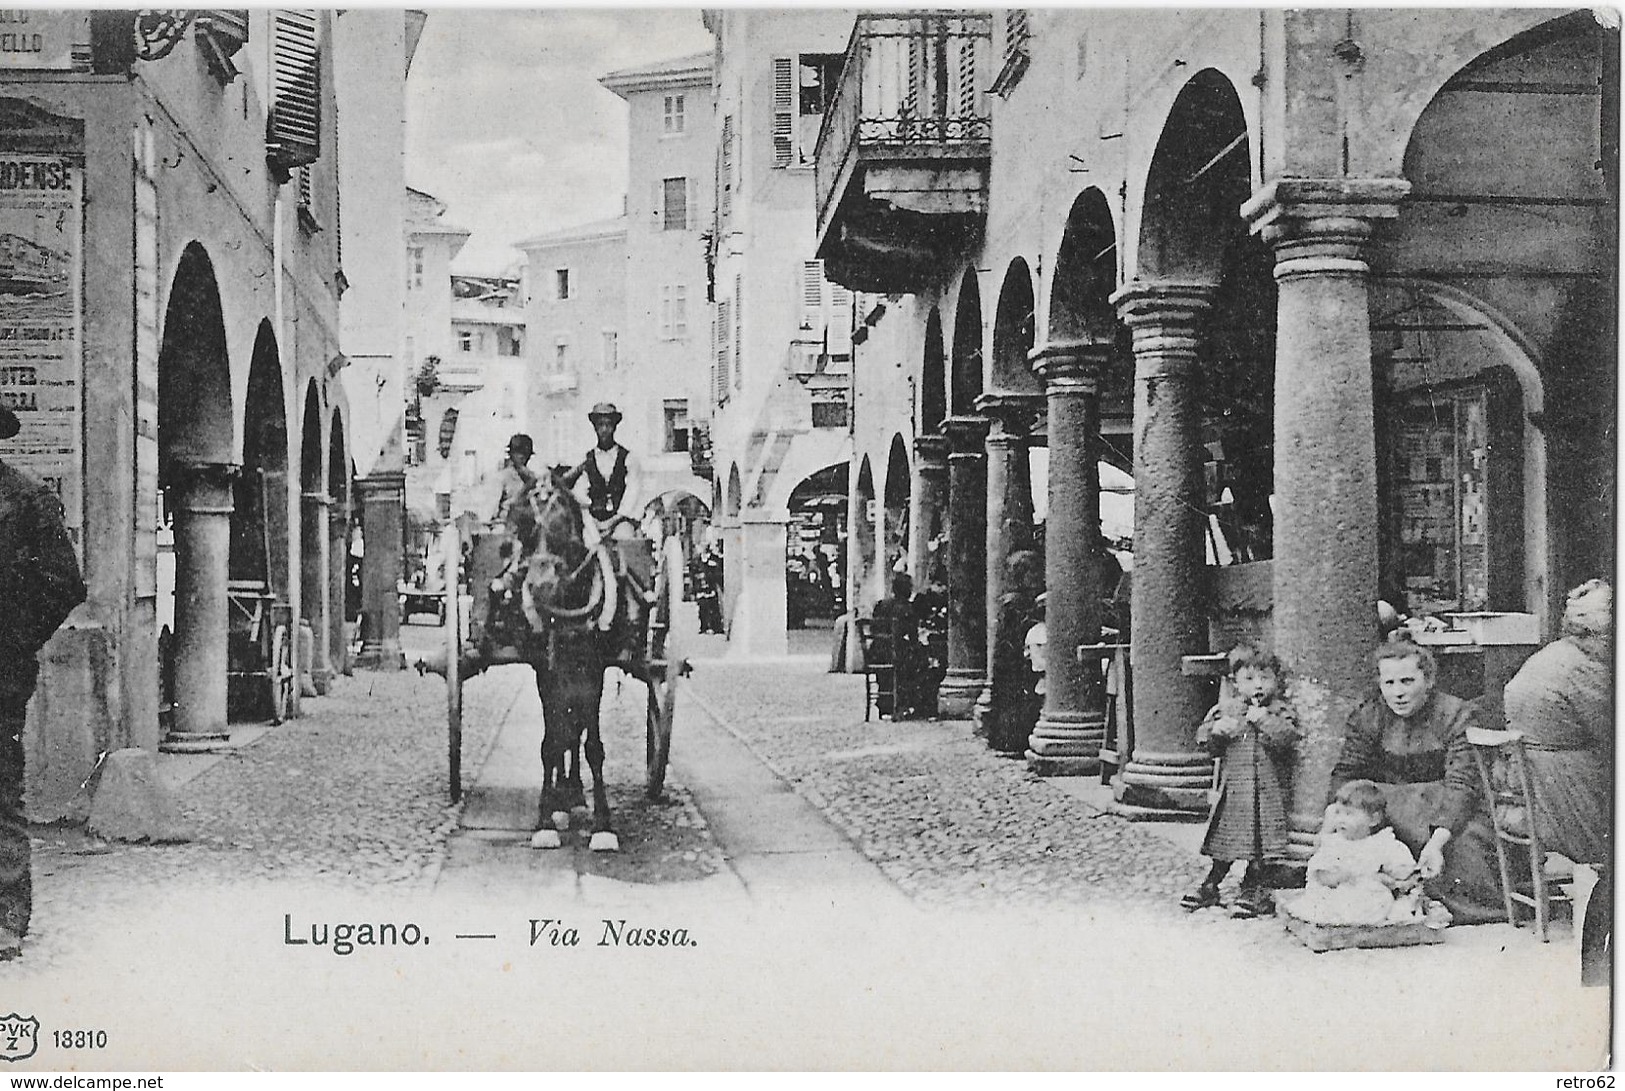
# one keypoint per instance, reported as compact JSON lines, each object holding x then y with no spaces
{"x":40,"y":585}
{"x":1255,"y":732}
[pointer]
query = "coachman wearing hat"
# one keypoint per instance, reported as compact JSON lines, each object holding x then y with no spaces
{"x":40,"y":585}
{"x":612,"y":476}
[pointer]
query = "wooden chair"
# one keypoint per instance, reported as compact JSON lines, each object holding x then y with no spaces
{"x":879,"y":643}
{"x":1510,"y":793}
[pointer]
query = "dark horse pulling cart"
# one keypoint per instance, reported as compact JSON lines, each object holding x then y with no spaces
{"x":570,"y":611}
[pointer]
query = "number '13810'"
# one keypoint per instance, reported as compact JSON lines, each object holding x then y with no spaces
{"x":80,"y":1039}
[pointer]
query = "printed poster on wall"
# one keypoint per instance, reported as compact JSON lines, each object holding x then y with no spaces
{"x":41,"y":367}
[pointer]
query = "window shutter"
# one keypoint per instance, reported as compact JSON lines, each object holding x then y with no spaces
{"x":967,"y":78}
{"x":812,"y":296}
{"x":720,"y":336}
{"x":293,"y":129}
{"x":725,"y":197}
{"x":838,"y":338}
{"x":784,"y":111}
{"x":738,"y":331}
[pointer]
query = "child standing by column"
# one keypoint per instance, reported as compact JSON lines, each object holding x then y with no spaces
{"x":1256,"y":732}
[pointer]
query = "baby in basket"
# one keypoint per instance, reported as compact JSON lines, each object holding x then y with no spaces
{"x":1360,"y":873}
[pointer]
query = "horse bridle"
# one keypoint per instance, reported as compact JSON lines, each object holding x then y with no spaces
{"x":595,"y":595}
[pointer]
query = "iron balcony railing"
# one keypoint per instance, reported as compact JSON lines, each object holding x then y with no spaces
{"x":911,"y":81}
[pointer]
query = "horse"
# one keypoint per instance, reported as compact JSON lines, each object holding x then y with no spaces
{"x":567,"y":586}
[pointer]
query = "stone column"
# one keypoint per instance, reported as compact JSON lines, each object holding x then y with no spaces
{"x":1009,"y":524}
{"x":203,"y":506}
{"x":967,"y":575}
{"x":338,"y":580}
{"x":759,"y":614}
{"x":732,"y":568}
{"x":930,"y":502}
{"x":383,"y":496}
{"x":313,"y":583}
{"x":1325,"y":570}
{"x":1167,"y":773}
{"x":1072,"y":727}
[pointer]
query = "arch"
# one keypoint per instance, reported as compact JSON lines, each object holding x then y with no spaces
{"x":817,"y":548}
{"x":1013,"y":326}
{"x":966,"y":378}
{"x":683,"y":516}
{"x":195,"y":411}
{"x":1199,"y":177}
{"x":1085,"y":274}
{"x":898,"y":491}
{"x":933,"y":377}
{"x":734,"y":491}
{"x":259,"y":521}
{"x":311,"y":477}
{"x":338,"y":465}
{"x":1546,"y":338}
{"x":862,"y":546}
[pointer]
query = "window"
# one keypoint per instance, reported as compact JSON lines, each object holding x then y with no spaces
{"x":673,"y":121}
{"x":612,"y":350}
{"x":561,"y":356}
{"x":826,"y":311}
{"x":509,"y":341}
{"x":465,"y":341}
{"x":673,"y":311}
{"x":803,"y":88}
{"x":829,"y":415}
{"x":414,"y":267}
{"x":674,"y":204}
{"x":676,"y":410}
{"x":739,"y":331}
{"x":561,"y":284}
{"x":725,"y":168}
{"x":293,"y":124}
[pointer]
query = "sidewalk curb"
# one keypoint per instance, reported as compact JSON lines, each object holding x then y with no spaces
{"x":453,"y":813}
{"x":811,"y":796}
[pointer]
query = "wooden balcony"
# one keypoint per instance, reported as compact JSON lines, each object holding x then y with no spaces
{"x":903,"y":155}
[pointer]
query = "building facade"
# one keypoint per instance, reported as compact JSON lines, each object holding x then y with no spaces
{"x":780,"y":331}
{"x":1336,"y":288}
{"x":182,"y":308}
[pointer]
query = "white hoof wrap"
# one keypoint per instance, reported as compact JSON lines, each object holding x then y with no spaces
{"x":605,"y":842}
{"x":561,"y":820}
{"x":544,"y":839}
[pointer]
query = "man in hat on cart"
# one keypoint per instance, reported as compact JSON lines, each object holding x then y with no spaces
{"x":610,"y":479}
{"x":40,"y":584}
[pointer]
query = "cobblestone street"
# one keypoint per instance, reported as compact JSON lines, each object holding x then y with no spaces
{"x":342,"y":814}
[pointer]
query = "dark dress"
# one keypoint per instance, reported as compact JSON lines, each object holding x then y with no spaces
{"x":1426,"y":769}
{"x":1562,"y":701}
{"x":899,"y":625}
{"x":1015,"y":701}
{"x":1249,"y":820}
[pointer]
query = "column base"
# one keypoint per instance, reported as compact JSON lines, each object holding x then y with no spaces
{"x":195,"y":742}
{"x":381,"y":657}
{"x":1166,"y":782}
{"x":1067,"y":745}
{"x":956,"y":697}
{"x":1301,"y":831}
{"x":1043,"y":766}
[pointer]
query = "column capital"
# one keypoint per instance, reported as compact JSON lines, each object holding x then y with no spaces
{"x":1071,"y":367}
{"x":931,"y":452}
{"x":1320,"y":226}
{"x":966,"y":434}
{"x":187,"y":471}
{"x":1173,"y":306}
{"x":381,"y":486}
{"x":1165,"y":318}
{"x":316,"y":497}
{"x":204,"y":488}
{"x":1012,"y":416}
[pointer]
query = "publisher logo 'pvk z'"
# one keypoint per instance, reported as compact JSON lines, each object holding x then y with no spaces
{"x":19,"y":1037}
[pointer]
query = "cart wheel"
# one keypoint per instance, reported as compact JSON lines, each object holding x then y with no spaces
{"x":280,"y":675}
{"x":664,"y":649}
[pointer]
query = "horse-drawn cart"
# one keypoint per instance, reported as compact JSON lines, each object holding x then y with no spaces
{"x":259,"y":652}
{"x":490,"y":635}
